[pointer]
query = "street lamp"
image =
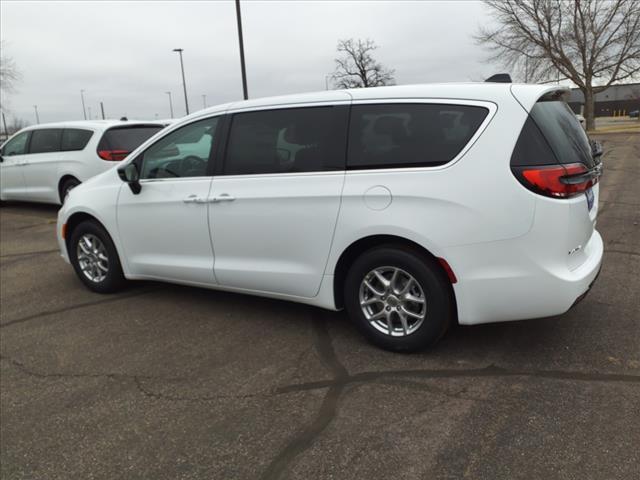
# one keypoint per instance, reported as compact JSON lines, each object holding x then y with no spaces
{"x":170,"y":104}
{"x":184,"y":83}
{"x":244,"y":70}
{"x":204,"y":101}
{"x":84,"y":111}
{"x":326,"y":81}
{"x":35,"y":107}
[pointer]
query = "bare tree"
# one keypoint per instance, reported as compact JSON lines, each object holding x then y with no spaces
{"x":16,"y":125}
{"x":593,"y":43}
{"x":357,"y":68}
{"x":9,"y":74}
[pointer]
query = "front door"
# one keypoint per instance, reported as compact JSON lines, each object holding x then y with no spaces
{"x":12,"y":184}
{"x":164,"y":228}
{"x":41,"y":168}
{"x":276,"y":199}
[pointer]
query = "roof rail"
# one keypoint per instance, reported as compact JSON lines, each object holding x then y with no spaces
{"x":499,"y":78}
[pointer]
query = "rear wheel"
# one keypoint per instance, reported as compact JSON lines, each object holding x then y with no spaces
{"x":67,"y":186}
{"x":94,"y":258}
{"x":399,"y":299}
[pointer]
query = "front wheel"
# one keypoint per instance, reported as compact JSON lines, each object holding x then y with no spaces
{"x":399,"y":299}
{"x":95,"y":259}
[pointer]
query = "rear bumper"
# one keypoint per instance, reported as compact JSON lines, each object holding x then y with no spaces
{"x":502,"y":284}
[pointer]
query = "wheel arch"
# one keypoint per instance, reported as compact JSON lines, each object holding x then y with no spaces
{"x":62,"y":181}
{"x":353,"y":251}
{"x":76,"y":219}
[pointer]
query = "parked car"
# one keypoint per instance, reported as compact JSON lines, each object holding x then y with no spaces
{"x":634,"y":114}
{"x":583,"y":122}
{"x":409,"y":206}
{"x":44,"y":162}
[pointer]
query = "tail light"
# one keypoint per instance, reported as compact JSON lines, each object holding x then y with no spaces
{"x":558,"y":181}
{"x":113,"y":155}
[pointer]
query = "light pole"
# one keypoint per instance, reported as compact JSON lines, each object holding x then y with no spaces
{"x":326,"y":82}
{"x":4,"y":122}
{"x":35,"y":107}
{"x":170,"y":104}
{"x":244,"y":70}
{"x":204,"y":101}
{"x":184,"y":83}
{"x":84,"y":111}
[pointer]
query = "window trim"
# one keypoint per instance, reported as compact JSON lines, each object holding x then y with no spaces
{"x":491,"y":106}
{"x":345,"y":111}
{"x":139,"y":158}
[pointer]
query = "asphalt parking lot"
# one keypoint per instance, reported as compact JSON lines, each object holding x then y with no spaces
{"x":169,"y":382}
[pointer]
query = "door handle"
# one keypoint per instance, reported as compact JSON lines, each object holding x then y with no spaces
{"x":194,"y":199}
{"x":224,"y":197}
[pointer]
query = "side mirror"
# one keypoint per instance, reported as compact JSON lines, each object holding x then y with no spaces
{"x":131,"y":175}
{"x":1,"y":159}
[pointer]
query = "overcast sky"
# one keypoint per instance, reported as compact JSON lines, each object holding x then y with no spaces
{"x":120,"y":53}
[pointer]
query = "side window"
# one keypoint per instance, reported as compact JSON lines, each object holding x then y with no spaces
{"x":75,"y":139}
{"x":45,"y":140}
{"x":309,"y":139}
{"x":17,"y":145}
{"x":183,"y":153}
{"x":405,"y":135}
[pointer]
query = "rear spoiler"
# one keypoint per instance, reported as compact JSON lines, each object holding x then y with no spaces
{"x":499,"y":78}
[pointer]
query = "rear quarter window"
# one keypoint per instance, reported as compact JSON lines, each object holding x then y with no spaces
{"x":75,"y":139}
{"x":408,"y":135}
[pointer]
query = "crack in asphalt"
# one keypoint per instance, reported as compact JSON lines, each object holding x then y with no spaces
{"x":33,"y":373}
{"x":622,"y":252}
{"x":328,"y":410}
{"x":336,"y":387}
{"x":30,"y":254}
{"x":76,"y":306}
{"x":204,"y":398}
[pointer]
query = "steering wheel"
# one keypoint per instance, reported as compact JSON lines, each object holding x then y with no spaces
{"x":192,"y":165}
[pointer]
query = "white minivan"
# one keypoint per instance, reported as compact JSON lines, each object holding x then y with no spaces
{"x":43,"y":162}
{"x":412,"y":207}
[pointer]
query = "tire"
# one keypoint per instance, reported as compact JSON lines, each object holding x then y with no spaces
{"x":67,"y":186}
{"x":430,"y":285}
{"x":104,"y":281}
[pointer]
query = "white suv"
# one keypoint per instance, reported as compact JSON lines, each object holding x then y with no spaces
{"x":411,"y":206}
{"x":43,"y":162}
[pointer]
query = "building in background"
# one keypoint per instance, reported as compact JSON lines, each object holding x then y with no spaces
{"x":617,"y":98}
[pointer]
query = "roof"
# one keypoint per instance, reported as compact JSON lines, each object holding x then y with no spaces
{"x":96,"y":124}
{"x":527,"y":94}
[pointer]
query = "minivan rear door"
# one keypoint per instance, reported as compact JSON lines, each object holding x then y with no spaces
{"x":275,"y":199}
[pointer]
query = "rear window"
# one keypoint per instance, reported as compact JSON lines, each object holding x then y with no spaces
{"x":45,"y":140}
{"x":558,"y":128}
{"x":75,"y":139}
{"x":407,"y":135}
{"x":127,"y":138}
